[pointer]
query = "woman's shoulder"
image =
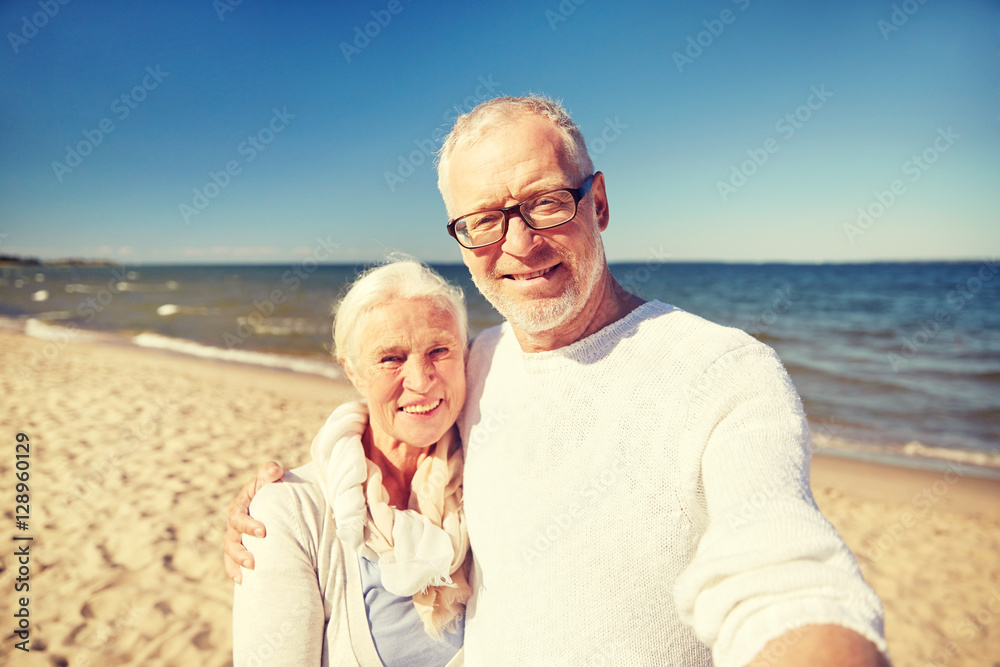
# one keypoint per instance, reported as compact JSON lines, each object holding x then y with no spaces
{"x":298,"y":491}
{"x":294,"y":512}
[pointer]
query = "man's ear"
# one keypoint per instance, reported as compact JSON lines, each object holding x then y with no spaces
{"x":600,"y":201}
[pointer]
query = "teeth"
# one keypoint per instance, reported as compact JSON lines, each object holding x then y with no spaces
{"x":529,"y":276}
{"x":421,"y":409}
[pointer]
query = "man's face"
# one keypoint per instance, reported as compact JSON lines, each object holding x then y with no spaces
{"x":538,"y":280}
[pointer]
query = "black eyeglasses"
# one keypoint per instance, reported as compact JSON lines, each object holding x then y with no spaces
{"x":544,"y":211}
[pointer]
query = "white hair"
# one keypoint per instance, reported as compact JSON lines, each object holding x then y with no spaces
{"x":400,"y":277}
{"x":470,"y":128}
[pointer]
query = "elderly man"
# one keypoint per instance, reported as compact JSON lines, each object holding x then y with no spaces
{"x":637,"y":478}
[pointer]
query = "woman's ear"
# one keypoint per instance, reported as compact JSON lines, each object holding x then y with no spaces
{"x":351,"y":375}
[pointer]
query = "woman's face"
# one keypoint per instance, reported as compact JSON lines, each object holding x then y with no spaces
{"x":412,"y":371}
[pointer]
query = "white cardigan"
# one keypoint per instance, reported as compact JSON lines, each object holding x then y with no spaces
{"x":302,"y":604}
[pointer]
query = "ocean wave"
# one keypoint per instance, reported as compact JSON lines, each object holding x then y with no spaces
{"x":871,"y":384}
{"x":976,"y":458}
{"x":168,"y":286}
{"x":123,"y":286}
{"x":937,"y":457}
{"x":168,"y":309}
{"x":36,"y":328}
{"x":285,"y":326}
{"x":284,"y":362}
{"x":11,"y":324}
{"x":55,"y":315}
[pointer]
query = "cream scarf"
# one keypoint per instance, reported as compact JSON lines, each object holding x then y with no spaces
{"x":422,"y":550}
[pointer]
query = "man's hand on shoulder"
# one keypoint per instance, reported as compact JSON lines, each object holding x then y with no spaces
{"x":241,"y":523}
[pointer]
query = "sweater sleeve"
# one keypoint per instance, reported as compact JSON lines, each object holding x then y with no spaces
{"x":278,"y":611}
{"x":768,"y":562}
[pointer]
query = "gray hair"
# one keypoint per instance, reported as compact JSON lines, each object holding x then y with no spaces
{"x":470,"y":128}
{"x":400,"y":277}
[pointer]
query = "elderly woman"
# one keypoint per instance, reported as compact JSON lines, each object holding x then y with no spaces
{"x":366,"y":556}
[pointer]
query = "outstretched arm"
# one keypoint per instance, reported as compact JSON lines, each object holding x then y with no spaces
{"x":820,"y":646}
{"x":772,"y":583}
{"x":241,"y":523}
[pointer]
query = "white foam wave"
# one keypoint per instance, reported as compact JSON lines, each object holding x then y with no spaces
{"x":85,"y":289}
{"x":11,"y":324}
{"x":975,"y":458}
{"x":191,"y":348}
{"x":168,"y":309}
{"x":40,"y":295}
{"x":55,"y":315}
{"x":38,"y":329}
{"x":938,"y":457}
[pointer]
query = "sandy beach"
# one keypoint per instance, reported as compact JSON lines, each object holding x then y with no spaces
{"x":134,"y":455}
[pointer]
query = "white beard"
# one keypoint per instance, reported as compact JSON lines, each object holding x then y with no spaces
{"x":538,"y":315}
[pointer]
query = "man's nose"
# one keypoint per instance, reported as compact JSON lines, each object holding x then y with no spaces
{"x":520,"y":238}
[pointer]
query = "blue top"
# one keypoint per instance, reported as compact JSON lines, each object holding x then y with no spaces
{"x":396,"y":628}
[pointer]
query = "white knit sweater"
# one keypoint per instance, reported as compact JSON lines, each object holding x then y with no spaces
{"x":642,"y":497}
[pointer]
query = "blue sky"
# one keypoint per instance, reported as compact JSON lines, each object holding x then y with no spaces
{"x":727,"y":130}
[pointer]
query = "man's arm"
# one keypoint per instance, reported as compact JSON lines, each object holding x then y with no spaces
{"x":241,"y":523}
{"x":772,"y":583}
{"x":820,"y":646}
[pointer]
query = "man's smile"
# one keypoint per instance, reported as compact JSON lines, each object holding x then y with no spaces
{"x":530,"y":276}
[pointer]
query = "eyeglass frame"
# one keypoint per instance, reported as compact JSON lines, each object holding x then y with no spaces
{"x":578,"y":195}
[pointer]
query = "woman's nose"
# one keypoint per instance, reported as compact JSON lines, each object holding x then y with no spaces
{"x":418,"y":375}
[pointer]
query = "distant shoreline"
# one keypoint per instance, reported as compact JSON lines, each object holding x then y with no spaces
{"x":12,"y":261}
